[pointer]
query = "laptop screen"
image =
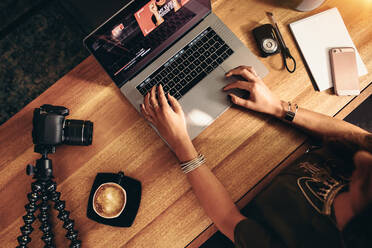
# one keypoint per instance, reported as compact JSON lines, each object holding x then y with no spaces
{"x":140,"y":32}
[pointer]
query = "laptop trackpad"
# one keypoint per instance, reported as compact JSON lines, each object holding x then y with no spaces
{"x":205,"y":102}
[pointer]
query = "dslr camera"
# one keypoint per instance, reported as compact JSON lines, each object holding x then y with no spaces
{"x":51,"y":128}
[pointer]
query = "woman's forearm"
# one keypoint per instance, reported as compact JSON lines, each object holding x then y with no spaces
{"x":321,"y":125}
{"x":210,"y":192}
{"x":215,"y":200}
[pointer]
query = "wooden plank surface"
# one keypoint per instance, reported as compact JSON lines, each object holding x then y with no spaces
{"x":241,"y":146}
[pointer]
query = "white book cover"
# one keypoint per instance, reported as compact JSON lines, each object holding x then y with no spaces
{"x":316,"y":35}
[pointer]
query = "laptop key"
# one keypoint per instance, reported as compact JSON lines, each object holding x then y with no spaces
{"x":183,"y":82}
{"x":192,"y":67}
{"x":202,"y":58}
{"x":224,"y":56}
{"x":229,"y":51}
{"x":198,"y":69}
{"x":186,"y":63}
{"x":166,"y":88}
{"x":197,"y":62}
{"x":209,"y":69}
{"x":219,"y":60}
{"x":171,"y":84}
{"x":142,"y":91}
{"x":211,"y":34}
{"x":184,"y":56}
{"x":178,"y":86}
{"x":217,"y":38}
{"x":165,"y":80}
{"x":181,"y":75}
{"x":186,"y":71}
{"x":214,"y":64}
{"x":172,"y":91}
{"x":188,"y":78}
{"x":196,"y":80}
{"x":170,"y":76}
{"x":209,"y":61}
{"x":220,"y":51}
{"x":181,"y":67}
{"x":193,"y":74}
{"x":176,"y":79}
{"x":214,"y":56}
{"x":203,"y":65}
{"x":221,"y":42}
{"x":177,"y":95}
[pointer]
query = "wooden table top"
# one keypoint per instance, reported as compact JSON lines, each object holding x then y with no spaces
{"x":241,"y":146}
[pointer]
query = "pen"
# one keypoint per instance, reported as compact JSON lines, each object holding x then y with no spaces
{"x":285,"y":51}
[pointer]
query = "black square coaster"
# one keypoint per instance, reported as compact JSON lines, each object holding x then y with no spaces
{"x":133,"y":190}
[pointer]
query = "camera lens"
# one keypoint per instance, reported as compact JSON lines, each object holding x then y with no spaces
{"x":269,"y":45}
{"x":78,"y":132}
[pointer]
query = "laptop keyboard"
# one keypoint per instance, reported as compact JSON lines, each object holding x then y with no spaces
{"x":189,"y":66}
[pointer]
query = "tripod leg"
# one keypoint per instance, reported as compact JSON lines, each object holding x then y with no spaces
{"x":64,"y":216}
{"x":44,"y":219}
{"x":29,"y":218}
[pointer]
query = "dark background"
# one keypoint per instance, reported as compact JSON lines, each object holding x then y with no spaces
{"x":40,"y":41}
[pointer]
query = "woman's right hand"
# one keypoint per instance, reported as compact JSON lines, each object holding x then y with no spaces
{"x":261,"y":99}
{"x":169,"y":120}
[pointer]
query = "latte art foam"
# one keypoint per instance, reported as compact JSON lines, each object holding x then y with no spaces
{"x":109,"y":200}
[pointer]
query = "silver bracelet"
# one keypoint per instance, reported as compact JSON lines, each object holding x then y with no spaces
{"x":192,"y":164}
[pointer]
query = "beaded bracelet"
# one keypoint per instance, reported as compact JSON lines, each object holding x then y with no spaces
{"x":192,"y":164}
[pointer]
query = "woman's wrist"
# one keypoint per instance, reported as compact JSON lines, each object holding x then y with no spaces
{"x":185,"y":150}
{"x":280,"y":109}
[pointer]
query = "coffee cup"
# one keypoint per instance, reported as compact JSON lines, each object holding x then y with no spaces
{"x":109,"y":200}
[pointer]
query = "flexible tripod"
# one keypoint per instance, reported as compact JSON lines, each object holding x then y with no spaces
{"x":43,"y":190}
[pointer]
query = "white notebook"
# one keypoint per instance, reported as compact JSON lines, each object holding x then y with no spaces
{"x":315,"y":35}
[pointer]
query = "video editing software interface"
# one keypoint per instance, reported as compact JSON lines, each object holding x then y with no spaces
{"x":140,"y":32}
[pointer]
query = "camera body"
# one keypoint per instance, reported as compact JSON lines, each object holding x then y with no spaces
{"x":266,"y":40}
{"x":51,"y":128}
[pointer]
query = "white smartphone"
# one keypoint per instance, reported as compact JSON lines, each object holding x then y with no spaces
{"x":344,"y":71}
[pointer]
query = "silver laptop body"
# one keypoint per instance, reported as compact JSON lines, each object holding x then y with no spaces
{"x":206,"y":100}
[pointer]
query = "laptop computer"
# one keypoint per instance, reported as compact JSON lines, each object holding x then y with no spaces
{"x":180,"y":44}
